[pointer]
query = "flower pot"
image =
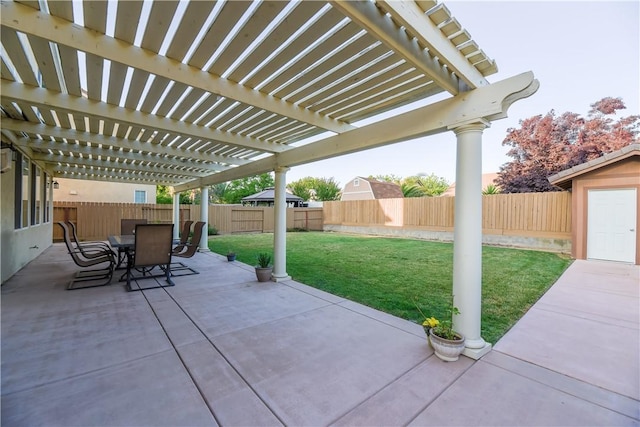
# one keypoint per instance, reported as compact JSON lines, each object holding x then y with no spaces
{"x":263,"y":274}
{"x":447,"y":350}
{"x":231,"y":257}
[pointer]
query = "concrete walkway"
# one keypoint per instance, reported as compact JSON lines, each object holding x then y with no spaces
{"x":220,"y":348}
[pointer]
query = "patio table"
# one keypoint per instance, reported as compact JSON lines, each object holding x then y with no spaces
{"x":125,"y":244}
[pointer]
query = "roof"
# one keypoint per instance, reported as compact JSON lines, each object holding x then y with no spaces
{"x":564,"y":178}
{"x":194,"y":93}
{"x":384,"y":190}
{"x":487,"y":179}
{"x":269,"y":195}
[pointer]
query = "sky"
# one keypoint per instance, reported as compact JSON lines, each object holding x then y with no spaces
{"x":580,"y":52}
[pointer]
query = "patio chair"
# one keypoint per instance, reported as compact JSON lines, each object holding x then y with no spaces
{"x":189,"y":250}
{"x":191,"y":247}
{"x":184,"y":237}
{"x":91,"y":245}
{"x":128,"y":226}
{"x":153,"y":245}
{"x":103,"y":275}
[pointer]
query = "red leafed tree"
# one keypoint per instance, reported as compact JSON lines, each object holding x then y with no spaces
{"x":544,"y":145}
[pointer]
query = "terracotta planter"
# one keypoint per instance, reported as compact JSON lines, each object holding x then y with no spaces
{"x":263,"y":274}
{"x":447,"y":350}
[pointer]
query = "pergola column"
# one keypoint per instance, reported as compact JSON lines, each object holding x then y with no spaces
{"x":467,"y":238}
{"x":204,"y":216}
{"x":176,"y":216}
{"x":280,"y":229}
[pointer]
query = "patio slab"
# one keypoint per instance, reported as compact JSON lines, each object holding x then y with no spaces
{"x":220,"y":348}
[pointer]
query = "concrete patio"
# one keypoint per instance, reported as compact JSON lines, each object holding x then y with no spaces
{"x":220,"y":348}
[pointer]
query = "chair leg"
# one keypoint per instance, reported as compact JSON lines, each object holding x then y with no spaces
{"x":91,"y":276}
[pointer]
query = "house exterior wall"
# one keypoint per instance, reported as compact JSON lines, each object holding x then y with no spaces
{"x":625,"y":174}
{"x":18,"y":247}
{"x":362,"y":191}
{"x":78,"y":190}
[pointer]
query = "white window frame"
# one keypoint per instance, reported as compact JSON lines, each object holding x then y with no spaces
{"x":135,"y":196}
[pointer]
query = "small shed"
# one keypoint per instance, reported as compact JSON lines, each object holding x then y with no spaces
{"x":267,"y":198}
{"x":605,"y":206}
{"x":369,"y":189}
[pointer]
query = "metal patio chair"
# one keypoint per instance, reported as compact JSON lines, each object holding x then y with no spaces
{"x":153,"y":244}
{"x":191,"y":247}
{"x":100,"y":257}
{"x":184,"y":237}
{"x":90,"y":245}
{"x":128,"y":226}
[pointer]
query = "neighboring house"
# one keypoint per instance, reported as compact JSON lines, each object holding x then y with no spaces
{"x":77,"y":190}
{"x":605,"y":206}
{"x":487,"y":179}
{"x":368,"y":189}
{"x":267,"y":198}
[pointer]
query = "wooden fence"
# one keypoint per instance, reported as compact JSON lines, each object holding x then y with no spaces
{"x":528,"y":215}
{"x":95,"y":221}
{"x":539,"y":216}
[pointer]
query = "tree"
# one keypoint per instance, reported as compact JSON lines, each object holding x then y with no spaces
{"x":387,"y":178}
{"x":218,"y":192}
{"x":309,"y":188}
{"x":164,"y":198}
{"x":327,"y":189}
{"x":545,"y":145}
{"x":304,"y":187}
{"x":239,"y":188}
{"x":411,"y":190}
{"x":491,"y":189}
{"x":423,"y":185}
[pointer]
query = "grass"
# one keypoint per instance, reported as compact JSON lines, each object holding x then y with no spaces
{"x":391,"y":274}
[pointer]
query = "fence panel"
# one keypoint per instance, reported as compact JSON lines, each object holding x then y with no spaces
{"x":528,"y":214}
{"x":96,"y":221}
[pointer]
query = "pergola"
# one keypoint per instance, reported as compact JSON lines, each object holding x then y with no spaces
{"x":190,"y":94}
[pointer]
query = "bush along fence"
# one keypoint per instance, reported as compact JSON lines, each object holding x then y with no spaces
{"x":529,"y":220}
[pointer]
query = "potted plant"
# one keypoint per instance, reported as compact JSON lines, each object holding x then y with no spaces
{"x":263,"y":269}
{"x":231,"y":256}
{"x":447,"y":343}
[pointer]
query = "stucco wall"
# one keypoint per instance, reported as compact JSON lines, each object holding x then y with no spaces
{"x":625,"y":174}
{"x":78,"y":190}
{"x":18,"y":247}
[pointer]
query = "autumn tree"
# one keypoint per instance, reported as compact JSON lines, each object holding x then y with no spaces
{"x":545,"y":145}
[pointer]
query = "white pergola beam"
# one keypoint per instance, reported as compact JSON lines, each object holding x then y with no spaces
{"x":379,"y":25}
{"x":488,"y":103}
{"x":411,"y":16}
{"x":112,"y":141}
{"x":11,"y":91}
{"x":63,"y":32}
{"x":74,"y":172}
{"x":57,"y":159}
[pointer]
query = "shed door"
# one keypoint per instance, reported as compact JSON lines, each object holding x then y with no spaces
{"x":611,"y":232}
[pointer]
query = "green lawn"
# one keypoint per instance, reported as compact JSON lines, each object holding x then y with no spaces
{"x":389,"y":274}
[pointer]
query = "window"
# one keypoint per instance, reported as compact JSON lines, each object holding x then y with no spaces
{"x":140,"y":196}
{"x":22,"y":191}
{"x":46,"y":193}
{"x":356,"y":182}
{"x":36,"y":194}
